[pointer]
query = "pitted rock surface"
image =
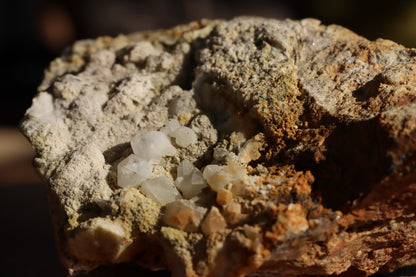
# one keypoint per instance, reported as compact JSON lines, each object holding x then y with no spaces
{"x":322,"y":121}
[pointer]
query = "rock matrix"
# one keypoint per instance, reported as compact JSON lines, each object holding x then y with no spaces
{"x":249,"y":147}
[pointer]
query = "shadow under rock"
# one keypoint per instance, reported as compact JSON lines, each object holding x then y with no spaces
{"x":356,"y":157}
{"x":409,"y":271}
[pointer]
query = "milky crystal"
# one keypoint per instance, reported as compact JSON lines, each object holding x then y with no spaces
{"x":241,"y":184}
{"x":184,"y":215}
{"x":237,"y":171}
{"x":189,"y":181}
{"x":185,"y":168}
{"x":161,"y":190}
{"x":170,"y":126}
{"x":217,"y":176}
{"x":184,"y":136}
{"x":210,"y":170}
{"x":197,"y":178}
{"x":152,"y":145}
{"x":250,"y":151}
{"x":132,"y":171}
{"x":220,"y":180}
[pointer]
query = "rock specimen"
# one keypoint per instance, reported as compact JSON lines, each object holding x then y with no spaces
{"x":228,"y":148}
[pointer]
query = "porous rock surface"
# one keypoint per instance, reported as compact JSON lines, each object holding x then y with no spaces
{"x":323,"y":120}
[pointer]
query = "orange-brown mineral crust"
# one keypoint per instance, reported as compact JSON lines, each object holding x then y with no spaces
{"x":306,"y":146}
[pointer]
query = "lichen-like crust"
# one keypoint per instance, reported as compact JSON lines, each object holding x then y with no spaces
{"x":314,"y":125}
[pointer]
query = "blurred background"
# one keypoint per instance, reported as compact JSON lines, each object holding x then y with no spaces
{"x":33,"y":32}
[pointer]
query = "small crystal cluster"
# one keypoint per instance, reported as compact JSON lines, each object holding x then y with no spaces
{"x":149,"y":148}
{"x":179,"y":196}
{"x":189,"y":179}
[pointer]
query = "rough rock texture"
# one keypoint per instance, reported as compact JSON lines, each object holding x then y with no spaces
{"x":322,"y":120}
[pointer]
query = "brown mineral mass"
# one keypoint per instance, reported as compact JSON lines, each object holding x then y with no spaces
{"x":298,"y":156}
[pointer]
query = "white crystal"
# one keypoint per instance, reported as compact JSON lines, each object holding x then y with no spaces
{"x":197,"y":178}
{"x":241,"y":182}
{"x":189,"y":181}
{"x":161,"y":190}
{"x":152,"y":145}
{"x":132,"y":171}
{"x":170,"y":126}
{"x":250,"y":151}
{"x":185,"y":168}
{"x":184,"y":136}
{"x":218,"y":177}
{"x":210,"y":170}
{"x":219,"y":180}
{"x":194,"y":185}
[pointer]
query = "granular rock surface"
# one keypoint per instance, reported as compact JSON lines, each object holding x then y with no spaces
{"x":314,"y":127}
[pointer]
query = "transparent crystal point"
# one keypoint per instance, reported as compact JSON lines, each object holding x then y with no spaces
{"x":132,"y":171}
{"x":184,"y":168}
{"x":189,"y":181}
{"x":152,"y":145}
{"x":161,"y":190}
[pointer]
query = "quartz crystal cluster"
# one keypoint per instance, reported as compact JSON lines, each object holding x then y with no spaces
{"x":180,"y":195}
{"x":149,"y":149}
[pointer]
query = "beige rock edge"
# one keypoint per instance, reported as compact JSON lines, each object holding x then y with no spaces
{"x":333,"y":116}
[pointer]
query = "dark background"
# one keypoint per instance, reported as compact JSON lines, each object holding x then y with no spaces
{"x":33,"y":32}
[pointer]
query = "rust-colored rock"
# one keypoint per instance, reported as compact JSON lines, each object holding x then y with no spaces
{"x":317,"y":124}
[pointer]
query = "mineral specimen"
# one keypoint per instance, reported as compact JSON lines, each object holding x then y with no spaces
{"x":228,"y":148}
